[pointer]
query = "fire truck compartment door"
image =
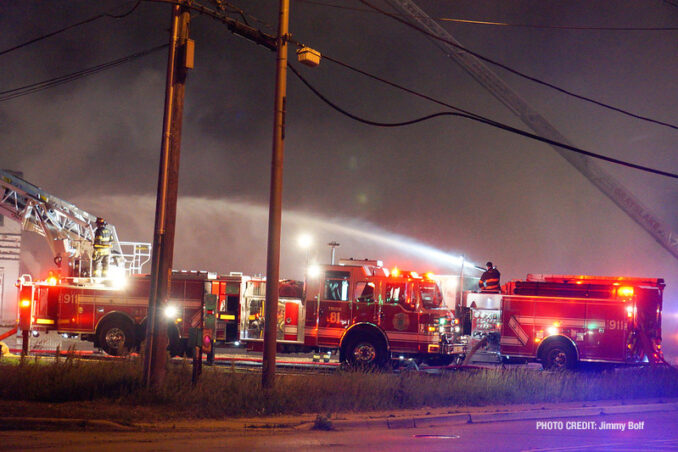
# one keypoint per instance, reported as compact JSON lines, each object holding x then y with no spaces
{"x":606,"y":330}
{"x":291,"y":325}
{"x":76,"y":311}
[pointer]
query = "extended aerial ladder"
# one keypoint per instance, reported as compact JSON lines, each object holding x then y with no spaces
{"x":626,"y":201}
{"x":68,"y":229}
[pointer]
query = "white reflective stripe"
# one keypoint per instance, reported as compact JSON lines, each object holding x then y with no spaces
{"x":518,"y":330}
{"x":551,"y":321}
{"x":131,"y":301}
{"x":505,"y":340}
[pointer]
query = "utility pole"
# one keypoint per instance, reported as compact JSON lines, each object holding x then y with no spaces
{"x":275,"y":202}
{"x":180,"y":59}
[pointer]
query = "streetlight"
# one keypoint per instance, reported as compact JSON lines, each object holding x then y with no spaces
{"x":333,"y":244}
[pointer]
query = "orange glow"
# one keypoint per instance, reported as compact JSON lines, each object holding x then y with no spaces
{"x":52,"y":281}
{"x":395,"y":272}
{"x":625,"y":292}
{"x":25,"y":303}
{"x":429,"y":275}
{"x":536,"y":339}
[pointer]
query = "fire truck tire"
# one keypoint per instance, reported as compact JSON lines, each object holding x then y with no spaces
{"x":558,"y":356}
{"x":366,"y":350}
{"x":116,"y":336}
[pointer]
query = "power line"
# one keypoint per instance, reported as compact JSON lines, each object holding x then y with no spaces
{"x":501,"y":24}
{"x":56,"y":81}
{"x":473,"y":117}
{"x":518,"y":73}
{"x":68,"y":27}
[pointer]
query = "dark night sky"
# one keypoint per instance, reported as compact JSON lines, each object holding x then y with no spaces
{"x":450,"y":184}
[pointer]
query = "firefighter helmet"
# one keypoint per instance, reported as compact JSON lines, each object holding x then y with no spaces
{"x":101,"y":221}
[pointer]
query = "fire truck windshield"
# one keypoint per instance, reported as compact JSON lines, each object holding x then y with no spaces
{"x":431,"y":296}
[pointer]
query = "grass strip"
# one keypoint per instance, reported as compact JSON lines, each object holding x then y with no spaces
{"x":225,"y":393}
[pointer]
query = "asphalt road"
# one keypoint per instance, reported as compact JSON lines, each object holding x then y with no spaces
{"x":650,"y":431}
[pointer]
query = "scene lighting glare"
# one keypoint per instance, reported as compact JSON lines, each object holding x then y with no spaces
{"x":305,"y":241}
{"x":171,"y":312}
{"x":314,"y":271}
{"x":117,"y":277}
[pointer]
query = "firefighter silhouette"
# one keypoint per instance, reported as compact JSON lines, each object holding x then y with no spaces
{"x":102,"y":248}
{"x":489,"y":281}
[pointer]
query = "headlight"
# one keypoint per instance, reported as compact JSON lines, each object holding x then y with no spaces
{"x":171,"y":312}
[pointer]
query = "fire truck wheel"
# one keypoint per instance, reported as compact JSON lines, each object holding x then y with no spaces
{"x":558,"y":356}
{"x":116,"y":337}
{"x":365,"y":350}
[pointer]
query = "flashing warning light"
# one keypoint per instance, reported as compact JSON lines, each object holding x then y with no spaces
{"x":395,"y":272}
{"x":625,"y":292}
{"x":456,"y":321}
{"x":442,"y":320}
{"x":537,"y":339}
{"x":206,"y":342}
{"x":552,"y":330}
{"x":25,"y":319}
{"x":429,"y":275}
{"x":431,"y":329}
{"x":629,"y":311}
{"x":52,"y":281}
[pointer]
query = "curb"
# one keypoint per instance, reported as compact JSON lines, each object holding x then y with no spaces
{"x":537,"y":413}
{"x":485,"y":417}
{"x":33,"y":423}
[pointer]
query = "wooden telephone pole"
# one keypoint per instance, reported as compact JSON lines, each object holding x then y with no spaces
{"x":275,"y":203}
{"x":179,"y":61}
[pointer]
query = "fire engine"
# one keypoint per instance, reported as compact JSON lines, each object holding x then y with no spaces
{"x":364,"y":311}
{"x":113,"y":317}
{"x":560,"y":320}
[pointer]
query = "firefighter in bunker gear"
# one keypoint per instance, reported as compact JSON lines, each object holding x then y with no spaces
{"x":489,"y":281}
{"x":102,"y":248}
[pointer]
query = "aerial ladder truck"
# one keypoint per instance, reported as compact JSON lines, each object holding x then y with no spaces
{"x":69,"y":232}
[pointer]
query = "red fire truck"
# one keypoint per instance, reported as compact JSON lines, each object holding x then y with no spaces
{"x":113,"y":317}
{"x":560,"y":320}
{"x":366,"y":312}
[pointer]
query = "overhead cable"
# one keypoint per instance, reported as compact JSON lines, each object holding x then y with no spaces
{"x":56,"y":81}
{"x":518,"y":73}
{"x":481,"y":119}
{"x":68,"y":27}
{"x":501,"y":24}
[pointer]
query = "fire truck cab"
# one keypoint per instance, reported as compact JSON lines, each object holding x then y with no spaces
{"x":560,"y":320}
